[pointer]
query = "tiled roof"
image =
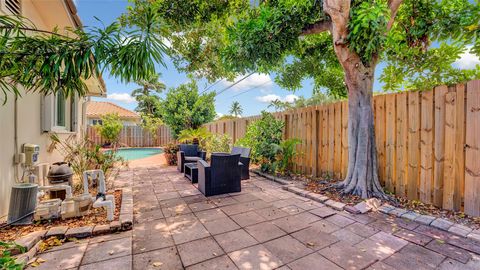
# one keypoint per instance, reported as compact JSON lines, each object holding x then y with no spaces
{"x":100,"y":108}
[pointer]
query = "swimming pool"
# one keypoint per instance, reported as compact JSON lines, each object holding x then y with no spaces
{"x":137,"y":153}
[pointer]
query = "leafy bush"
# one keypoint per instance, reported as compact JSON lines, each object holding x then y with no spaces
{"x":170,"y":151}
{"x":263,"y":137}
{"x":110,"y":128}
{"x":151,"y":124}
{"x":82,"y":154}
{"x":218,"y":143}
{"x":286,"y":151}
{"x":6,"y":260}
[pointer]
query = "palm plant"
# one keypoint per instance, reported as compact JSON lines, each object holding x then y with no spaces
{"x":279,"y":105}
{"x":146,"y":95}
{"x":236,"y":109}
{"x":47,"y":61}
{"x":196,"y":136}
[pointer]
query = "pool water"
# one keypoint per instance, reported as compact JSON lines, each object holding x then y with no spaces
{"x":137,"y":153}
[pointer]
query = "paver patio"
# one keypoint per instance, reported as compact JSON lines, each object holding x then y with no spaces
{"x":263,"y":227}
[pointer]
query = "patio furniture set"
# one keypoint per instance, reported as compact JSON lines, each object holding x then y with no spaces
{"x":222,"y":175}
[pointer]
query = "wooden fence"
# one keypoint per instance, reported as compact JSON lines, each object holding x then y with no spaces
{"x":135,"y":136}
{"x":428,"y":143}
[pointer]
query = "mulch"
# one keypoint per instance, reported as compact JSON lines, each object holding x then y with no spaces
{"x":97,"y":216}
{"x":325,"y":187}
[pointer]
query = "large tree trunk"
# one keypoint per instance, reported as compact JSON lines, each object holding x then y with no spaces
{"x":362,"y":175}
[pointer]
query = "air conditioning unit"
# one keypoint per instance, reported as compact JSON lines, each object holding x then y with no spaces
{"x":11,"y":7}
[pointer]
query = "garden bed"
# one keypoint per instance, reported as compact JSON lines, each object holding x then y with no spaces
{"x":97,"y":216}
{"x":324,"y":187}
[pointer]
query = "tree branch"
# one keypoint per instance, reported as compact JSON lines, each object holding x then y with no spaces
{"x":316,"y":28}
{"x":393,"y":5}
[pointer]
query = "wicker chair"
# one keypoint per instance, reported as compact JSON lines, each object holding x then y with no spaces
{"x":221,"y":176}
{"x":244,"y":159}
{"x":188,"y":153}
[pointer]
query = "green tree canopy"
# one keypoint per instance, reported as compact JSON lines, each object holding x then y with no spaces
{"x":184,"y":108}
{"x":147,"y":95}
{"x":217,"y":39}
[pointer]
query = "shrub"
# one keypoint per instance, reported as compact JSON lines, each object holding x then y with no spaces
{"x":6,"y":260}
{"x":82,"y":154}
{"x":110,"y":128}
{"x":218,"y":143}
{"x":285,"y":153}
{"x":263,"y":137}
{"x":170,"y":151}
{"x":151,"y":124}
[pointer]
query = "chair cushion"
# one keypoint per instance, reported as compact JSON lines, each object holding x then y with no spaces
{"x":192,"y":158}
{"x":189,"y":149}
{"x":244,"y":152}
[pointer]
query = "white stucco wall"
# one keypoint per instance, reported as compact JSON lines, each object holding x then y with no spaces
{"x":125,"y":122}
{"x":29,"y":107}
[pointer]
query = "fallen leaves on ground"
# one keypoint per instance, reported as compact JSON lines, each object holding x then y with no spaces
{"x":325,"y":187}
{"x":37,"y":262}
{"x":97,"y":216}
{"x":49,"y":244}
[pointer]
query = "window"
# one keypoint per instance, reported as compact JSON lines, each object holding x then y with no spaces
{"x":97,"y":122}
{"x":60,"y":109}
{"x":59,"y":113}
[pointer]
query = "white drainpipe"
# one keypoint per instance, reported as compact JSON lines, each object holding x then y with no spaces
{"x":109,"y":202}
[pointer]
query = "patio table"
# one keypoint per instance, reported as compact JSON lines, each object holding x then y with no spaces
{"x":191,"y":172}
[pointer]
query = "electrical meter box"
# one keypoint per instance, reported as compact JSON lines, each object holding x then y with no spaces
{"x":31,"y":153}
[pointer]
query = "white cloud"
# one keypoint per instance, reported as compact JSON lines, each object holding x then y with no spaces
{"x":121,"y":97}
{"x":290,"y":98}
{"x":268,"y":98}
{"x":467,"y":60}
{"x":271,"y":97}
{"x":262,"y":81}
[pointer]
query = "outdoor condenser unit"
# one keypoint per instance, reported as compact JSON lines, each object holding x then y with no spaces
{"x":23,"y":201}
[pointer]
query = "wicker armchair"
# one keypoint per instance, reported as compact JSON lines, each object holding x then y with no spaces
{"x":221,"y":176}
{"x":244,"y":159}
{"x":188,"y":153}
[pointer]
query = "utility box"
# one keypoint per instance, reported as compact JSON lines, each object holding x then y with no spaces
{"x":31,"y":154}
{"x":49,"y":209}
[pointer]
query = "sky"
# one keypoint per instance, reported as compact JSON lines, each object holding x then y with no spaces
{"x":253,"y":101}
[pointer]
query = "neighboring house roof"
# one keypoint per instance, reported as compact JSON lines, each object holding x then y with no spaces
{"x":101,"y":108}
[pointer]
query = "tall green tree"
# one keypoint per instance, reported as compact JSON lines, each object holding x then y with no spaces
{"x":338,"y":43}
{"x":184,"y":108}
{"x":50,"y":61}
{"x":236,"y":109}
{"x":147,"y":95}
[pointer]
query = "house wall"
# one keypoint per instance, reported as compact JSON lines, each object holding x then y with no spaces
{"x":125,"y":122}
{"x":45,"y":14}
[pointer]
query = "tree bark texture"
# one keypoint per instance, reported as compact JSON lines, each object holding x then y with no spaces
{"x":362,"y":174}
